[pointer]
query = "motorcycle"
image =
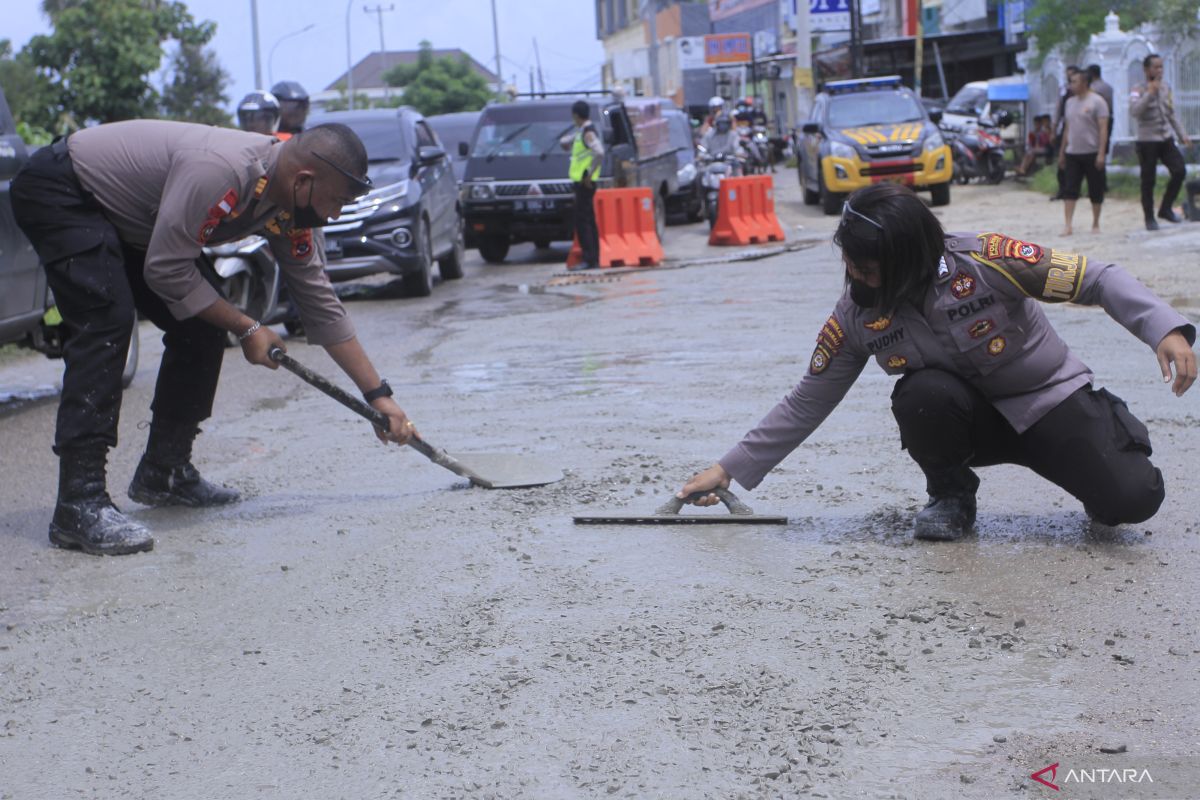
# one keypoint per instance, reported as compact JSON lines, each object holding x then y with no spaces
{"x":714,"y":169}
{"x":245,"y":271}
{"x":979,"y":152}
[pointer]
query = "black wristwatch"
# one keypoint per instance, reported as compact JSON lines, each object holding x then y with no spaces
{"x":384,"y":390}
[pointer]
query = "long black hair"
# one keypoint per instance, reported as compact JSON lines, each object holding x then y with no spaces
{"x":888,"y":223}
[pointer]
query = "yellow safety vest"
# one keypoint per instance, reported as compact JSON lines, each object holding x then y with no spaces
{"x":583,"y":160}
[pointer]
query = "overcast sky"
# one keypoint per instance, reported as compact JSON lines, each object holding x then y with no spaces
{"x":565,"y":31}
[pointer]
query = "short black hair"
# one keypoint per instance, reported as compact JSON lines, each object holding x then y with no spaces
{"x":1093,"y":70}
{"x":337,"y":144}
{"x":1146,"y":61}
{"x":908,"y":243}
{"x":581,"y":109}
{"x":1072,"y":68}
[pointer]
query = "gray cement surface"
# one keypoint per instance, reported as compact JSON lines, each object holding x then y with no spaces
{"x":367,"y":625}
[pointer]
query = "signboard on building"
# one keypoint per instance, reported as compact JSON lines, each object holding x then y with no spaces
{"x":690,"y":51}
{"x":828,"y":15}
{"x":727,"y":48}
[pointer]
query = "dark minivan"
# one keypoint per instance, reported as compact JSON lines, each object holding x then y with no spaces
{"x":411,"y":218}
{"x":516,"y":187}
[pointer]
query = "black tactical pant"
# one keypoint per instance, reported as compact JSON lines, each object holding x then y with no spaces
{"x":98,"y":284}
{"x":585,"y":223}
{"x":1149,"y":154}
{"x":1089,"y":444}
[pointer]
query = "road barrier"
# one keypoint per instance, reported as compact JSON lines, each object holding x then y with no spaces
{"x":746,"y":212}
{"x":628,"y":235}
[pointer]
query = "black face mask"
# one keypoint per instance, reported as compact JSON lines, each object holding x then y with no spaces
{"x":305,"y":216}
{"x":864,"y":296}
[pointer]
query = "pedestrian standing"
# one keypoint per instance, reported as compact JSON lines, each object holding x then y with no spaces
{"x":1085,"y":141}
{"x":118,"y":214}
{"x":1151,"y":104}
{"x":984,"y":378}
{"x":587,"y":156}
{"x":1060,"y":120}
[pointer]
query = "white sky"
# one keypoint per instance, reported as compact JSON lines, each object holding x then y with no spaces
{"x":565,"y":31}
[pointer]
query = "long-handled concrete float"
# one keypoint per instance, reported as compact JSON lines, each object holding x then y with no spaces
{"x":489,"y":470}
{"x":668,"y":514}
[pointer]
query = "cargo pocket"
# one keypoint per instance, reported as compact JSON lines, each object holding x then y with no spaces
{"x":85,"y":279}
{"x":1130,"y":432}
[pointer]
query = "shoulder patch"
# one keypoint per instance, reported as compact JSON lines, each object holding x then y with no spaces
{"x":1050,"y":276}
{"x":829,"y":342}
{"x":222,"y":208}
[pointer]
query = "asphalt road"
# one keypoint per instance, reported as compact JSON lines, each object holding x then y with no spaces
{"x":365,"y":624}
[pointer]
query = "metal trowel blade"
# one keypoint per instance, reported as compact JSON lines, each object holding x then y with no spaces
{"x":508,"y":471}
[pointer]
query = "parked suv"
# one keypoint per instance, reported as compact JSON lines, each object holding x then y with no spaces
{"x":866,"y":131}
{"x":516,"y":187}
{"x":411,"y":218}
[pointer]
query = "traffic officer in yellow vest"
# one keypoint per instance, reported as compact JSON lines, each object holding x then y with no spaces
{"x":587,"y":155}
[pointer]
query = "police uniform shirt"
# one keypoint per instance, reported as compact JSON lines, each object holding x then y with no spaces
{"x":981,"y":320}
{"x":171,"y":188}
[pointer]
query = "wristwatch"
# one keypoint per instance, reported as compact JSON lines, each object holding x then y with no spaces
{"x":384,"y":390}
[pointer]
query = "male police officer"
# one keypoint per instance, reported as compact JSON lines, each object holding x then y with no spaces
{"x":1152,"y":106}
{"x":587,"y":154}
{"x":118,"y":214}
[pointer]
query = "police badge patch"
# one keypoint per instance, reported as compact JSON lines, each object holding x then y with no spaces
{"x":225,"y":207}
{"x":829,"y":342}
{"x":880,"y":324}
{"x":996,"y":346}
{"x":980,"y":328}
{"x":963,"y":285}
{"x":301,"y":242}
{"x":897,"y":362}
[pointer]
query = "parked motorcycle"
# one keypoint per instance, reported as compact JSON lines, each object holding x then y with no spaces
{"x":247,"y":274}
{"x":714,"y":169}
{"x":979,"y":152}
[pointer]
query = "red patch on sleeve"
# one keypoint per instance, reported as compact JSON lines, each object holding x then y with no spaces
{"x":302,"y":244}
{"x":221,"y":209}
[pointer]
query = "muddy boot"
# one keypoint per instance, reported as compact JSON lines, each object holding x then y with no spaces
{"x":166,"y":477}
{"x":85,"y":517}
{"x":950,"y":511}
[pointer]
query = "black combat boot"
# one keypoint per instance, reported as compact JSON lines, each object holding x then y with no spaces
{"x":85,"y":517}
{"x":950,"y":511}
{"x":166,"y":477}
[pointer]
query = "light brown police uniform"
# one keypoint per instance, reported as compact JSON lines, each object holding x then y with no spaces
{"x":171,"y":188}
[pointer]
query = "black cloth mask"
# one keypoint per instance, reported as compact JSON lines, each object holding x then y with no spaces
{"x":305,"y":216}
{"x":864,"y":296}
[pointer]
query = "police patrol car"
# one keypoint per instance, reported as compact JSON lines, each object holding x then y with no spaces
{"x":867,"y":131}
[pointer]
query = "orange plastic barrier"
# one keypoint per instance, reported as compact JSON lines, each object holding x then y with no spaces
{"x":746,"y":212}
{"x":625,"y":222}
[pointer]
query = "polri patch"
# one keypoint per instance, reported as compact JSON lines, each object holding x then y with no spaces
{"x":829,"y":341}
{"x":221,"y":209}
{"x":302,"y":245}
{"x":996,"y":346}
{"x":897,"y":362}
{"x":996,"y":246}
{"x":980,"y":328}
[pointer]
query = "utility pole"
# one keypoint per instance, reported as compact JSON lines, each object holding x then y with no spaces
{"x":855,"y":39}
{"x":919,"y":55}
{"x":649,"y":14}
{"x":378,"y":11}
{"x":538,"y":58}
{"x":258,"y":84}
{"x":496,"y":42}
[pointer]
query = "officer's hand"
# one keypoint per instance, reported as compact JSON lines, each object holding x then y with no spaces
{"x":1174,"y":350}
{"x":257,"y":346}
{"x":715,"y":477}
{"x":1062,"y":162}
{"x":1187,"y":141}
{"x":400,"y":427}
{"x":1100,"y":161}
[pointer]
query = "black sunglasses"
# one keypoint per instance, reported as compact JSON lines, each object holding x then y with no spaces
{"x":359,"y":185}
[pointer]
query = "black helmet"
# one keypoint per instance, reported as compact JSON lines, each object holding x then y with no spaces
{"x":723,"y":124}
{"x":259,"y":113}
{"x":289,"y":90}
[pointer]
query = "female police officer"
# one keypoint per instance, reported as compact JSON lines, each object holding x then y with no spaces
{"x":985,"y":378}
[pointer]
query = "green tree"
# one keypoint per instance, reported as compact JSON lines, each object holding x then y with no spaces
{"x":440,"y":85}
{"x":196,"y":90}
{"x":102,"y":54}
{"x":1071,"y":23}
{"x":30,"y":95}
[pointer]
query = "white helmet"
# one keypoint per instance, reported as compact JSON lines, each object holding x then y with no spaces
{"x":716,"y":102}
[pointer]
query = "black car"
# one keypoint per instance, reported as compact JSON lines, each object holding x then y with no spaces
{"x":27,"y":313}
{"x":452,"y":129}
{"x":689,"y":198}
{"x":411,"y":218}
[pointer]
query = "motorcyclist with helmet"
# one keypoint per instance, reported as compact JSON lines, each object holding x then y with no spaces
{"x":293,"y":107}
{"x":259,"y":113}
{"x":722,"y":139}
